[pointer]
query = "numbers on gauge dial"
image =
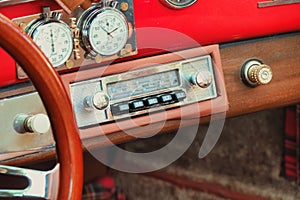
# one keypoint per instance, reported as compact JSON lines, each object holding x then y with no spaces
{"x":55,"y":41}
{"x":108,"y":33}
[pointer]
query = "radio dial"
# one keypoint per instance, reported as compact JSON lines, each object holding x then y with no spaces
{"x":98,"y":101}
{"x":202,"y":79}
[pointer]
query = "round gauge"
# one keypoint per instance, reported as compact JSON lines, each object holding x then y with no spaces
{"x":108,"y":32}
{"x":55,"y":40}
{"x":178,"y":3}
{"x":104,"y":31}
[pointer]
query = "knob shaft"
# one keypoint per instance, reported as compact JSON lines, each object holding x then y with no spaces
{"x":99,"y":101}
{"x":202,"y":79}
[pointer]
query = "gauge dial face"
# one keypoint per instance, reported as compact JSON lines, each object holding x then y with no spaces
{"x":178,"y":3}
{"x":108,"y":32}
{"x":55,"y":40}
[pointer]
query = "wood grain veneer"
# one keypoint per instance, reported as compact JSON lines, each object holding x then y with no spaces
{"x":282,"y":54}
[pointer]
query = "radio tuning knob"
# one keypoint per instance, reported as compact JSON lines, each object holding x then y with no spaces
{"x":202,"y":79}
{"x":256,"y":73}
{"x":38,"y":123}
{"x":98,"y":101}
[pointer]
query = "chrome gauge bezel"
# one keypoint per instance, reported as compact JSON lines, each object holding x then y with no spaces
{"x":174,"y":5}
{"x":32,"y":27}
{"x":84,"y":24}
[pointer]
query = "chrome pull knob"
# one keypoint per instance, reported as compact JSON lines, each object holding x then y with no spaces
{"x":202,"y":79}
{"x":260,"y":74}
{"x":38,"y":123}
{"x":98,"y":101}
{"x":256,"y":73}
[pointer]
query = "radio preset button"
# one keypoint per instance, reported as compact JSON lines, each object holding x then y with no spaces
{"x":121,"y":108}
{"x":151,"y":101}
{"x":136,"y":104}
{"x":165,"y":98}
{"x":179,"y":95}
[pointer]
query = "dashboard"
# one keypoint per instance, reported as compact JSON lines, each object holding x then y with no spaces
{"x":215,"y":22}
{"x":136,"y":64}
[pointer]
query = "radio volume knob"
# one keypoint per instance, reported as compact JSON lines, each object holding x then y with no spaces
{"x":202,"y":79}
{"x":99,"y":101}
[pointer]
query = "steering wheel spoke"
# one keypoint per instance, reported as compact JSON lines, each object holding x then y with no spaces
{"x":41,"y":184}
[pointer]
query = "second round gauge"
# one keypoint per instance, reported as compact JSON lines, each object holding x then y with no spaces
{"x":108,"y":32}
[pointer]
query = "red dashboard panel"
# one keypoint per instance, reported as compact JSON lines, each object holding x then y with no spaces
{"x":203,"y":23}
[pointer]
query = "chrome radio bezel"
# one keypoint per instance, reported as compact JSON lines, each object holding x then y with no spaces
{"x":80,"y":90}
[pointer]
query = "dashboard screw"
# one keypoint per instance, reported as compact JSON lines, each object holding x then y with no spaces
{"x":69,"y":64}
{"x":98,"y":58}
{"x":22,"y":25}
{"x":124,"y":6}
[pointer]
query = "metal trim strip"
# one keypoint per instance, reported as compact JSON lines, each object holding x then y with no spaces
{"x":265,"y":4}
{"x":13,"y":2}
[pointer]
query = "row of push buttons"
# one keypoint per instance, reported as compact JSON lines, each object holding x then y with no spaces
{"x":145,"y":103}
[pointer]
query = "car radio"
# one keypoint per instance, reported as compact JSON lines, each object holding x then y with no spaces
{"x":145,"y":90}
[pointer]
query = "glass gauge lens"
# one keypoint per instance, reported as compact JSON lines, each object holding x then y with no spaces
{"x":178,"y":3}
{"x":55,"y":40}
{"x":108,"y":32}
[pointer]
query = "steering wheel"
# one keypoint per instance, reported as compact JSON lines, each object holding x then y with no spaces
{"x":57,"y":103}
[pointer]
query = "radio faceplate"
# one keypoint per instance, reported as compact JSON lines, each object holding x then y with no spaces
{"x":138,"y":92}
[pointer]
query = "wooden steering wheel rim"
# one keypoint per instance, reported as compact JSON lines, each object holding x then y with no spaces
{"x":57,"y":103}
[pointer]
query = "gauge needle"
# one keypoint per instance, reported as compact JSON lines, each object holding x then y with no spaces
{"x":114,"y":30}
{"x":52,"y":41}
{"x":104,"y":29}
{"x":109,"y":33}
